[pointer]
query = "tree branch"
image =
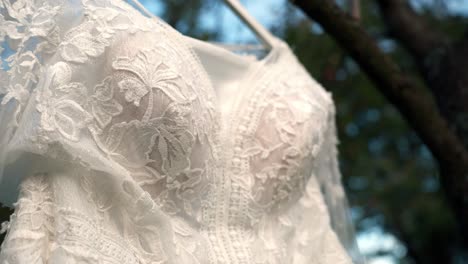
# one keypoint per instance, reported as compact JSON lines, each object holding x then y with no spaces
{"x":415,"y":103}
{"x":411,"y":29}
{"x":355,"y":9}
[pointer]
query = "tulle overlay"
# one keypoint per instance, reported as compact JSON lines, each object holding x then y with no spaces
{"x":113,"y":148}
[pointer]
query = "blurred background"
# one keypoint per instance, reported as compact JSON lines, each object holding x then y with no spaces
{"x":390,"y":177}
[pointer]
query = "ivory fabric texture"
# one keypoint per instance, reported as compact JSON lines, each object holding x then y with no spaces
{"x":124,"y":141}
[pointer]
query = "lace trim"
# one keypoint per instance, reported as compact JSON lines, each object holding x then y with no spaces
{"x":79,"y":231}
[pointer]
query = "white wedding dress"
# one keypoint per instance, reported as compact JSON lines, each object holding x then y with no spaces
{"x":123,"y":141}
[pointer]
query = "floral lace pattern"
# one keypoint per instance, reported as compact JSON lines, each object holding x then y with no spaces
{"x":139,"y":167}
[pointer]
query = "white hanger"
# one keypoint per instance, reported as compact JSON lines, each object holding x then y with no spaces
{"x":264,"y":35}
{"x":236,"y":6}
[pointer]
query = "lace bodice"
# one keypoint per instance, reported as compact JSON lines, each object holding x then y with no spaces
{"x":121,"y":147}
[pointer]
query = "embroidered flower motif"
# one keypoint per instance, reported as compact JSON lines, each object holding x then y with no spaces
{"x":166,"y":203}
{"x":173,"y":144}
{"x":291,"y":128}
{"x":109,"y":20}
{"x":36,"y":204}
{"x":132,"y":153}
{"x":134,"y":90}
{"x":61,"y":103}
{"x":182,"y":193}
{"x":33,"y":30}
{"x":23,"y":66}
{"x":147,"y":236}
{"x":32,"y":224}
{"x":143,"y":223}
{"x":29,"y":20}
{"x":103,"y":105}
{"x":102,"y":200}
{"x":137,"y":77}
{"x":145,"y":71}
{"x":79,"y":45}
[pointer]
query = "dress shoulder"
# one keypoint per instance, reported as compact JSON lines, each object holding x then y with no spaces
{"x":56,"y":91}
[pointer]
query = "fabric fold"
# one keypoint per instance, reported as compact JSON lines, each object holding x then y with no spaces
{"x":113,"y":148}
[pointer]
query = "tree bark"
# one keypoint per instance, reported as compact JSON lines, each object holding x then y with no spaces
{"x":412,"y":31}
{"x":443,"y":64}
{"x":414,"y":102}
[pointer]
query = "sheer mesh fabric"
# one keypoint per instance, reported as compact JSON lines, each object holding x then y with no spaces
{"x":113,"y":147}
